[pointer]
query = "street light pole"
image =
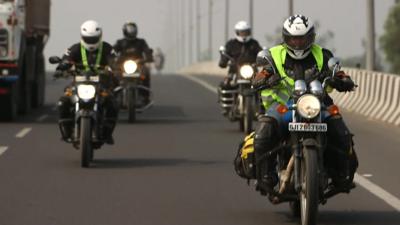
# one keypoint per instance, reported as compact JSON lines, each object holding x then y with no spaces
{"x":198,"y":37}
{"x":370,"y":50}
{"x":226,"y":20}
{"x":190,"y":42}
{"x":291,"y":8}
{"x":251,"y":13}
{"x":210,"y":28}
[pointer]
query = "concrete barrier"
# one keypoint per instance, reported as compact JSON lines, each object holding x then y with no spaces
{"x":377,"y":97}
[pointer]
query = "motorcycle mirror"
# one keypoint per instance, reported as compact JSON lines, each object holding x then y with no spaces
{"x":54,"y":59}
{"x":333,"y":63}
{"x":262,"y":58}
{"x":222,"y":48}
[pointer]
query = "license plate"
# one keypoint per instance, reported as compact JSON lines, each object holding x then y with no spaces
{"x":83,"y":78}
{"x":308,"y":127}
{"x":131,"y":75}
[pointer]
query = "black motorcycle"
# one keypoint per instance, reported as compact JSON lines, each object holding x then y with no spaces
{"x":240,"y":100}
{"x":135,"y":96}
{"x":304,"y":178}
{"x":86,"y":93}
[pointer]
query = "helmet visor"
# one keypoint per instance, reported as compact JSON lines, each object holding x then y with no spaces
{"x":299,"y":42}
{"x":243,"y":33}
{"x":91,"y":40}
{"x":130,"y":30}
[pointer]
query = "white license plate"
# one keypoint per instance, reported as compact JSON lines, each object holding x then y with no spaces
{"x":131,"y":75}
{"x":83,"y":78}
{"x":308,"y":127}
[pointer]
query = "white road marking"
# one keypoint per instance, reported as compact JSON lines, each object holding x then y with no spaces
{"x":364,"y":182}
{"x":367,"y":175}
{"x":378,"y":192}
{"x":23,"y":132}
{"x":202,"y":83}
{"x":42,"y":118}
{"x":3,"y":149}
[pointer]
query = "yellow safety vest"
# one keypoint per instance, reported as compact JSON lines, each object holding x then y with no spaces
{"x":281,"y":93}
{"x":85,"y":59}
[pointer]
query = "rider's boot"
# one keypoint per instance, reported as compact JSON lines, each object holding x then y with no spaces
{"x":267,"y":177}
{"x":66,"y":129}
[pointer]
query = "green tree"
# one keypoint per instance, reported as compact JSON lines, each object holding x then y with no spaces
{"x":390,"y":41}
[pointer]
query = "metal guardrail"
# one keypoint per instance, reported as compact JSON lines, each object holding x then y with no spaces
{"x":377,"y":96}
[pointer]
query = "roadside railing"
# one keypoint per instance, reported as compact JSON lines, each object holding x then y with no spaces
{"x":377,"y":96}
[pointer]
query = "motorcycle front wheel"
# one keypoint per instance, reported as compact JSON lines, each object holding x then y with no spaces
{"x":131,"y":105}
{"x":86,"y":142}
{"x":248,"y":114}
{"x":310,"y":187}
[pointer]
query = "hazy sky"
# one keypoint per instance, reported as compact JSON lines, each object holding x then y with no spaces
{"x":158,"y":21}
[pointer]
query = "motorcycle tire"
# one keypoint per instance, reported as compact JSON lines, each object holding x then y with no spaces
{"x":248,"y":115}
{"x":131,"y":105}
{"x":86,"y":142}
{"x":309,"y":196}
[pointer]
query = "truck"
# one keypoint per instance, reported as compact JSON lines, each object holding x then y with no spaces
{"x":24,"y":31}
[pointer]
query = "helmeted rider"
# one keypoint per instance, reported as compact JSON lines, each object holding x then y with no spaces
{"x":298,"y":57}
{"x":243,"y":49}
{"x":91,"y":53}
{"x":132,"y":46}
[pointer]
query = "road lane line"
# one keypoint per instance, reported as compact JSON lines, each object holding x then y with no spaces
{"x":378,"y":191}
{"x":23,"y":132}
{"x":202,"y":83}
{"x":42,"y":118}
{"x":365,"y":183}
{"x":3,"y":149}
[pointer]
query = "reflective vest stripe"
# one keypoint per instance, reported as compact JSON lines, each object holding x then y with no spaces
{"x":85,"y":59}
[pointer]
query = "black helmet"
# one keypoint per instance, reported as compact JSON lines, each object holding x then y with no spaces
{"x":130,"y":30}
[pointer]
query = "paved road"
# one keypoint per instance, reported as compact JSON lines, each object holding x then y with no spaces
{"x":173,"y":167}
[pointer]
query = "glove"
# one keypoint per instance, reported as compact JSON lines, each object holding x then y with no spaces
{"x":222,"y":63}
{"x":341,"y":82}
{"x":63,"y":66}
{"x":58,"y":74}
{"x":265,"y":79}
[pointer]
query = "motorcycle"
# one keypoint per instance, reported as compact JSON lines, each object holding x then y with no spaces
{"x":304,"y":179}
{"x":133,"y":93}
{"x":240,"y":100}
{"x":86,"y":93}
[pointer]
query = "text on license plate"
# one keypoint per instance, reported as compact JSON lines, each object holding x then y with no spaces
{"x":308,"y":127}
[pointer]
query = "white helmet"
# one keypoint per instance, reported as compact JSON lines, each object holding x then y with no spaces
{"x":91,"y":33}
{"x":243,"y":31}
{"x":298,"y":35}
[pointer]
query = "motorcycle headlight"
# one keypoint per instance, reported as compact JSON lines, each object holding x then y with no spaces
{"x":308,"y":106}
{"x":130,"y":66}
{"x":246,"y":71}
{"x":86,"y":92}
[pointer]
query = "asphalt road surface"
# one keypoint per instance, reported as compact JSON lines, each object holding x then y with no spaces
{"x":172,"y":167}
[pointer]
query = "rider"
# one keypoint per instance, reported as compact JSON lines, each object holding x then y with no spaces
{"x":132,"y":46}
{"x":243,"y":49}
{"x":298,"y":55}
{"x":90,"y":51}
